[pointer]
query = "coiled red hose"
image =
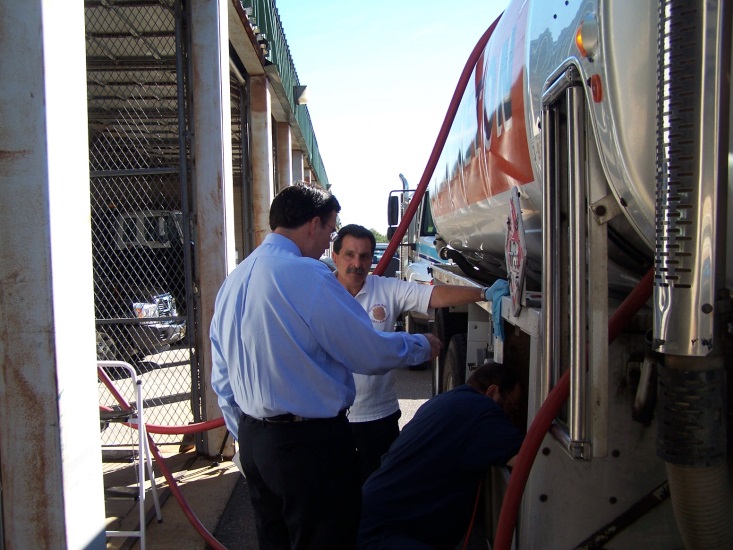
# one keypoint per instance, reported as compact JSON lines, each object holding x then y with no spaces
{"x":549,"y":410}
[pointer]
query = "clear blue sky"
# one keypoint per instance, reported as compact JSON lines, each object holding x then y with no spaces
{"x":380,"y":75}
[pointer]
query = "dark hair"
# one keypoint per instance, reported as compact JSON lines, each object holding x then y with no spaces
{"x":299,"y":203}
{"x":356,"y":231}
{"x":505,"y":377}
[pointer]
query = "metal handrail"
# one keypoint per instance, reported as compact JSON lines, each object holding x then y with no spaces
{"x":276,"y":50}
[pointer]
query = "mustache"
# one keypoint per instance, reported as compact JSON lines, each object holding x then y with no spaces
{"x":357,"y":270}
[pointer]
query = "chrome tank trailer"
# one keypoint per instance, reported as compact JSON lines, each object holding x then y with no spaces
{"x":652,"y":88}
{"x":495,"y":142}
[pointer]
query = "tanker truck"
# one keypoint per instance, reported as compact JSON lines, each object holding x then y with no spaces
{"x":588,"y":165}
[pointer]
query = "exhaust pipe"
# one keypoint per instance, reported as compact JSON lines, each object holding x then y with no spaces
{"x":689,"y":293}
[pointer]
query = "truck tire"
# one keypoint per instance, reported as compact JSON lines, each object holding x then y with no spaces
{"x":407,"y":324}
{"x":454,"y":371}
{"x":106,"y":347}
{"x":445,"y":326}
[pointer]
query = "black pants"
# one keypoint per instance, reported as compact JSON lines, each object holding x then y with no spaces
{"x":303,"y":481}
{"x":372,"y":440}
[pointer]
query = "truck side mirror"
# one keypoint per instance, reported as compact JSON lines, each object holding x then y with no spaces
{"x":390,"y":232}
{"x":393,"y":210}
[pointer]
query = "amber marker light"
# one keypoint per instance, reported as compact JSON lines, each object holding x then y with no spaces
{"x":586,"y":37}
{"x":579,"y":41}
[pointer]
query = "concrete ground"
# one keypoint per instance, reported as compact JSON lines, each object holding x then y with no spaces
{"x":206,"y":485}
{"x":216,"y":492}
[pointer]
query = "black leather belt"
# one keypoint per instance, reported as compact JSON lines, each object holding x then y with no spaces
{"x":289,"y":417}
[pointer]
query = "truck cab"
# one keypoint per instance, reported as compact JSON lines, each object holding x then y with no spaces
{"x":418,"y":251}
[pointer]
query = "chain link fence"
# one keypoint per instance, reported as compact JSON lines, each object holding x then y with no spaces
{"x":143,"y":240}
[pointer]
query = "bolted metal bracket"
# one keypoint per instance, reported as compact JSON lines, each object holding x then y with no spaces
{"x":605,"y":209}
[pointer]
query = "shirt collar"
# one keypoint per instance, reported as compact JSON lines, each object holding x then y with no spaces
{"x":363,"y":288}
{"x":276,"y":239}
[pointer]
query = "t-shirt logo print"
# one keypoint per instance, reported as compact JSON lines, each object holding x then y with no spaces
{"x":378,"y":313}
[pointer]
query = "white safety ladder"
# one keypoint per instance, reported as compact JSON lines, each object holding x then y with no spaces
{"x":135,"y":416}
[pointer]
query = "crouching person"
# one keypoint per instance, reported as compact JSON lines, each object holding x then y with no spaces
{"x":422,"y":495}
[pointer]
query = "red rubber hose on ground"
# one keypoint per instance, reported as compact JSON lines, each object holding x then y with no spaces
{"x":191,"y":428}
{"x":208,"y":537}
{"x":547,"y":413}
{"x":155,"y":428}
{"x":437,"y":148}
{"x":188,"y":429}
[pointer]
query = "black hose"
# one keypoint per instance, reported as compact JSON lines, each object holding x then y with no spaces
{"x":468,"y":269}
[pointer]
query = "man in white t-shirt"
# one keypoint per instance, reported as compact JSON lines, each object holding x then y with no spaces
{"x":375,"y":413}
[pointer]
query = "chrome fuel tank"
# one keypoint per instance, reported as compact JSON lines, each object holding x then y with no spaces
{"x":495,"y":141}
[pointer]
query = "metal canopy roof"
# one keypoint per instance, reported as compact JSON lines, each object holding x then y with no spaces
{"x":132,"y":85}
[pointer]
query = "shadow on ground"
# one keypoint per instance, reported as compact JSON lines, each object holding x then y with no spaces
{"x":236,"y":528}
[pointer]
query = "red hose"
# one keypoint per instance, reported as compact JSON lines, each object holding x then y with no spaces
{"x":102,"y":375}
{"x":437,"y":148}
{"x":189,"y":429}
{"x":547,"y":413}
{"x":155,"y":428}
{"x":208,"y":537}
{"x":151,"y":428}
{"x":473,"y":515}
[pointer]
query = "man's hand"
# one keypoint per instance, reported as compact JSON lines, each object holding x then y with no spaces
{"x":435,"y":345}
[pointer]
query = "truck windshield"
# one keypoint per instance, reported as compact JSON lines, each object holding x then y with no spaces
{"x":427,"y":225}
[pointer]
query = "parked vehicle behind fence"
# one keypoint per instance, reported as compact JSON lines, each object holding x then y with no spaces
{"x":139,"y":283}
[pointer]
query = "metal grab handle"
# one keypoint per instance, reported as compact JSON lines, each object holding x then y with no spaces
{"x":564,"y":257}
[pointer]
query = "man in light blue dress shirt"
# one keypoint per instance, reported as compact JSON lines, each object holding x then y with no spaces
{"x":286,"y":339}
